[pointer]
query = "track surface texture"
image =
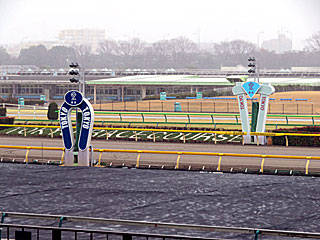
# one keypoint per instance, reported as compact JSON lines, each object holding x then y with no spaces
{"x":238,"y":200}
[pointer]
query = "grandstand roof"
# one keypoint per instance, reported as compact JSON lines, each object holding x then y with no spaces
{"x":162,"y":80}
{"x":291,"y":81}
{"x":196,"y":80}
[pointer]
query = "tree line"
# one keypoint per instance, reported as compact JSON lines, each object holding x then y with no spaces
{"x":178,"y":53}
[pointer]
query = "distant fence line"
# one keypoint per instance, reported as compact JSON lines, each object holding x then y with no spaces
{"x":299,"y":106}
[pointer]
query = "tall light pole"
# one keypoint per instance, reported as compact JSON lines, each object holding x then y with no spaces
{"x":290,"y":40}
{"x":77,"y":77}
{"x":259,"y":39}
{"x":198,"y":34}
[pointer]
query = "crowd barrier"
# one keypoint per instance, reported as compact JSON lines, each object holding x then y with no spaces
{"x":262,"y":157}
{"x":56,"y":231}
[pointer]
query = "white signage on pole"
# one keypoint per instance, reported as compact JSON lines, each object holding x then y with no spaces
{"x":243,"y":108}
{"x":265,"y":91}
{"x":251,"y":88}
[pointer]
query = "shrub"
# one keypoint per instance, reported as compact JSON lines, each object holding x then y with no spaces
{"x":6,"y":120}
{"x":52,"y":111}
{"x":3,"y":112}
{"x":297,"y":140}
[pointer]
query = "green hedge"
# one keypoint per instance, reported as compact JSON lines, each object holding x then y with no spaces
{"x":3,"y":112}
{"x":6,"y":120}
{"x":26,"y":101}
{"x":297,"y":140}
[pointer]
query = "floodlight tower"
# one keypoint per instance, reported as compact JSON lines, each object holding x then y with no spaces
{"x":77,"y":76}
{"x":252,"y":67}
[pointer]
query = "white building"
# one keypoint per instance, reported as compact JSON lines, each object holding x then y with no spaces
{"x":280,"y":45}
{"x":89,"y":37}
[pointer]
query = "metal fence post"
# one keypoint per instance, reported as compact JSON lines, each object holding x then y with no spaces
{"x":2,"y":221}
{"x":256,"y":234}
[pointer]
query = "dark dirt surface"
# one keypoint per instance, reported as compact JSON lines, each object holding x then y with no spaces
{"x":202,"y":198}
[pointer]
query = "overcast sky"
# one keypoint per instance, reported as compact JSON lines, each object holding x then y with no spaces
{"x":150,"y":20}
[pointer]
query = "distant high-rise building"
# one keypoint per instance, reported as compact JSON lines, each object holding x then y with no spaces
{"x":280,"y":45}
{"x":89,"y":37}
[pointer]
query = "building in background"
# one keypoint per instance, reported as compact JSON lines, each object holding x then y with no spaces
{"x":280,"y":45}
{"x":89,"y":37}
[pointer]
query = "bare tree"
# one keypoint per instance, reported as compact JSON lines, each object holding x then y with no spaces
{"x":182,"y":45}
{"x":234,"y":47}
{"x":107,"y":47}
{"x":132,"y":47}
{"x":83,"y":53}
{"x":313,"y":42}
{"x":4,"y":56}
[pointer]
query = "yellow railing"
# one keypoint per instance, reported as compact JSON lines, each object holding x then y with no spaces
{"x":178,"y":153}
{"x":285,"y":135}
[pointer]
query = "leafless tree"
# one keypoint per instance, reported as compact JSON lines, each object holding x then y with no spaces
{"x":234,"y":47}
{"x":160,"y":48}
{"x":107,"y":47}
{"x":132,"y":47}
{"x":182,"y":45}
{"x":83,"y":53}
{"x":313,"y":42}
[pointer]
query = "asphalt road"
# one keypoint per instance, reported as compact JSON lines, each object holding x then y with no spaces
{"x":209,"y":162}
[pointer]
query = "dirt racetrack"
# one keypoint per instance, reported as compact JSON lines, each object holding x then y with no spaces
{"x":239,"y":200}
{"x":277,"y":106}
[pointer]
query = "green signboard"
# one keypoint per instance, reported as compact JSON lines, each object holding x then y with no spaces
{"x":163,"y":96}
{"x":199,"y":95}
{"x":21,"y":101}
{"x":42,"y":97}
{"x":177,"y":107}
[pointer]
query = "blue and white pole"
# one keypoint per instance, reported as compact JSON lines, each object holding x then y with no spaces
{"x":74,"y":99}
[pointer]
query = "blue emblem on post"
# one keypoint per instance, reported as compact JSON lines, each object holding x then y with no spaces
{"x":251,"y":88}
{"x":73,"y":98}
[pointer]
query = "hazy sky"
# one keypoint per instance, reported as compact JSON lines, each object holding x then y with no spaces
{"x":212,"y":20}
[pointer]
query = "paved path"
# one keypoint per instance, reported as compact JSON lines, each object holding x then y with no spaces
{"x":196,"y":162}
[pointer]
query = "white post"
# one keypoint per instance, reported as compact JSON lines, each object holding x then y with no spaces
{"x":265,"y":91}
{"x":243,"y":108}
{"x":83,"y":158}
{"x":69,"y":157}
{"x":34,"y":112}
{"x":18,"y":111}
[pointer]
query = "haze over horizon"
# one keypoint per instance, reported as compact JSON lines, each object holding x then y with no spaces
{"x":209,"y":21}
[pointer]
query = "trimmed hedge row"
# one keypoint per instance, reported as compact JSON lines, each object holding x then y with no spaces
{"x":297,"y":140}
{"x":26,"y":101}
{"x":6,"y":120}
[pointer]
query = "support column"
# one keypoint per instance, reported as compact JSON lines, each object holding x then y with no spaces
{"x":143,"y":92}
{"x":191,"y":89}
{"x":94,"y":94}
{"x":68,"y":157}
{"x":83,"y":158}
{"x":119,"y":93}
{"x":122,"y":93}
{"x":14,"y":86}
